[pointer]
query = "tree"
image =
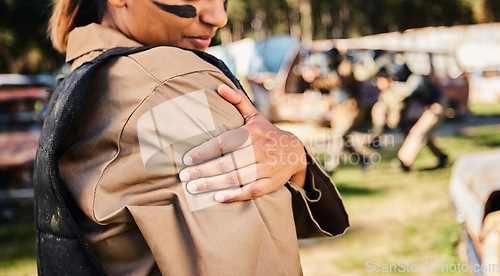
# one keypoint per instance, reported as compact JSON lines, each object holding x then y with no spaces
{"x":24,"y":46}
{"x":351,"y":18}
{"x":492,"y":10}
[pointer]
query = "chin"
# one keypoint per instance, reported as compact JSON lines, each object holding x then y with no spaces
{"x":197,"y":48}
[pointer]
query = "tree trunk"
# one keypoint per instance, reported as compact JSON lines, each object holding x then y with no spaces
{"x":306,"y":21}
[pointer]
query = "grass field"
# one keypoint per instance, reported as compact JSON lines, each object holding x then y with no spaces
{"x":485,"y":109}
{"x":396,"y":217}
{"x":17,"y":249}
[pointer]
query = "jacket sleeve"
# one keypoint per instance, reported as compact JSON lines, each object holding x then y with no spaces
{"x":318,"y":208}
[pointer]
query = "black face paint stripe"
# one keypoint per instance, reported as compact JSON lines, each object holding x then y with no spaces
{"x":184,"y":11}
{"x":225,"y":5}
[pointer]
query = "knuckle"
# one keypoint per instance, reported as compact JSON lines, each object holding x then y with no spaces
{"x":196,"y":156}
{"x":196,"y":172}
{"x":260,"y":133}
{"x":224,"y":166}
{"x":254,"y":192}
{"x":271,"y":139}
{"x":231,"y":179}
{"x":206,"y":185}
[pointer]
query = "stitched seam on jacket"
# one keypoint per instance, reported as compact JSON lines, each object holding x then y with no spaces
{"x":118,"y":146}
{"x":173,"y":76}
{"x":119,"y":138}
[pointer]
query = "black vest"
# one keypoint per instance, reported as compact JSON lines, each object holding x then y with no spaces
{"x":61,"y":248}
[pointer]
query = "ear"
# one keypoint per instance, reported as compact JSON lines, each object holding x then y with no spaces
{"x":118,"y":3}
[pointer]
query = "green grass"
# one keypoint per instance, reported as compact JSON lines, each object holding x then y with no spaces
{"x":398,"y":217}
{"x":485,"y":109}
{"x":17,"y":254}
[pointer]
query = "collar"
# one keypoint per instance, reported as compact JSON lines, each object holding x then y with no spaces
{"x":95,"y":37}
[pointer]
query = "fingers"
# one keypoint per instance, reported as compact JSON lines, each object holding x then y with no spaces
{"x":229,"y":160}
{"x":239,"y":100}
{"x":227,"y":141}
{"x":235,"y":178}
{"x":225,"y":164}
{"x":249,"y":191}
{"x":219,"y":146}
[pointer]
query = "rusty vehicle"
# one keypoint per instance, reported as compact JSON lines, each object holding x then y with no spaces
{"x":475,"y":197}
{"x":458,"y":52}
{"x":452,"y":82}
{"x":343,"y":90}
{"x":23,"y":102}
{"x":286,"y":96}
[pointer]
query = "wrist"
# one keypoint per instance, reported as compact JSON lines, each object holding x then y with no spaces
{"x":299,"y":177}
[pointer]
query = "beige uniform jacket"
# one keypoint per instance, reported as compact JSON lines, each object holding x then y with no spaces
{"x":121,"y":160}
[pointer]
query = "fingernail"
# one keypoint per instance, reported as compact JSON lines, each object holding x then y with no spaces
{"x":184,"y":176}
{"x":188,"y":160}
{"x":220,"y":197}
{"x":191,"y":187}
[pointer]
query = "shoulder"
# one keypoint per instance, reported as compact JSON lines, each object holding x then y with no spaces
{"x":137,"y":75}
{"x":166,"y":62}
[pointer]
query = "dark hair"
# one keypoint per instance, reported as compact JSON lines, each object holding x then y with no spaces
{"x":69,"y":14}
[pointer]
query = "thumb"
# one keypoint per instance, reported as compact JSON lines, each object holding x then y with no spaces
{"x":239,"y":100}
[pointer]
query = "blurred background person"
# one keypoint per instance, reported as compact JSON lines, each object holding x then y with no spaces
{"x":415,"y":104}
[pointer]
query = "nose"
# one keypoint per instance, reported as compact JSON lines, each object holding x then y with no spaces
{"x":214,"y":13}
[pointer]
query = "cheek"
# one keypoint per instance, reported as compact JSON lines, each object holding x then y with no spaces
{"x":151,"y":25}
{"x":159,"y":30}
{"x":172,"y":30}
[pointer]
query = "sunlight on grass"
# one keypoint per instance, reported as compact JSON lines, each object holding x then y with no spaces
{"x":396,"y":217}
{"x":17,"y":254}
{"x":485,"y":109}
{"x":22,"y":267}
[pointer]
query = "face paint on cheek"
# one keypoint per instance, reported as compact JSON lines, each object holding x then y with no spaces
{"x":225,"y":5}
{"x":184,"y":11}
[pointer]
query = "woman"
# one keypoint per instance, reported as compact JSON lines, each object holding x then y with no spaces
{"x":154,"y":117}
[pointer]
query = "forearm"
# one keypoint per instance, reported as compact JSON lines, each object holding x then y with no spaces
{"x":299,"y":177}
{"x":318,"y":207}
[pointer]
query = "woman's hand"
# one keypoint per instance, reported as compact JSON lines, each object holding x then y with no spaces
{"x":258,"y":157}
